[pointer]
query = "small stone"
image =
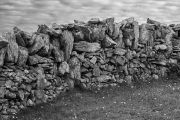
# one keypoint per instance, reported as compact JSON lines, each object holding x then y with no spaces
{"x":40,"y":96}
{"x":120,"y":80}
{"x":10,"y":95}
{"x":156,"y":77}
{"x":128,"y":79}
{"x":108,"y":42}
{"x":2,"y":92}
{"x":30,"y":102}
{"x":96,"y":71}
{"x":20,"y":94}
{"x":161,"y":47}
{"x":9,"y":84}
{"x":104,"y":78}
{"x":120,"y":51}
{"x":120,"y":60}
{"x":63,"y":68}
{"x":93,"y":60}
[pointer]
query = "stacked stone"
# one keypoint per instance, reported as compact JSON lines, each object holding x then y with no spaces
{"x":112,"y":53}
{"x":36,"y":67}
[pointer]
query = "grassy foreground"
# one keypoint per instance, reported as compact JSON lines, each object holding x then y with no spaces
{"x":159,"y":100}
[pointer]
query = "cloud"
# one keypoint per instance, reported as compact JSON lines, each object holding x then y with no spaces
{"x":28,"y":14}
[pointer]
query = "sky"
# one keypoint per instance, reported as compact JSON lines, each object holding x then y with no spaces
{"x":28,"y":14}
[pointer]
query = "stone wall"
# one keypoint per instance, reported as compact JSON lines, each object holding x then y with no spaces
{"x":36,"y":67}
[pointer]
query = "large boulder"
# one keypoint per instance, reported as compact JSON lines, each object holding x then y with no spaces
{"x":23,"y":38}
{"x":98,"y":33}
{"x":146,"y":33}
{"x":40,"y":46}
{"x":63,"y":68}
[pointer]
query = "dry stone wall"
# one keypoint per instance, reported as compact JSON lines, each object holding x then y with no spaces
{"x":36,"y":67}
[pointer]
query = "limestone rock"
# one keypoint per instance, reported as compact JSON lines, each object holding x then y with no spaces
{"x":3,"y":42}
{"x":58,"y":55}
{"x":104,"y":78}
{"x":41,"y":44}
{"x":40,"y":96}
{"x":120,"y":51}
{"x":93,"y":60}
{"x":116,"y":31}
{"x":75,"y":68}
{"x":109,"y":20}
{"x":2,"y":92}
{"x":145,"y":34}
{"x":12,"y":48}
{"x":36,"y":59}
{"x":41,"y":81}
{"x":94,"y":21}
{"x":128,"y":37}
{"x":136,"y":33}
{"x":9,"y":84}
{"x":108,"y":42}
{"x":23,"y":56}
{"x":153,"y":22}
{"x":46,"y":46}
{"x":160,"y":47}
{"x":120,"y":60}
{"x":56,"y":29}
{"x":67,"y":41}
{"x":63,"y":68}
{"x":20,"y":94}
{"x":98,"y":33}
{"x":84,"y":46}
{"x":86,"y":31}
{"x":2,"y":55}
{"x":96,"y":71}
{"x":128,"y":79}
{"x":23,"y":38}
{"x":78,"y":36}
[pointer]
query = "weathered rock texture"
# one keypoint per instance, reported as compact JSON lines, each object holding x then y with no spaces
{"x":35,"y":68}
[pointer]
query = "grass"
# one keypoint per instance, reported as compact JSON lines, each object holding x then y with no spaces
{"x":158,"y":100}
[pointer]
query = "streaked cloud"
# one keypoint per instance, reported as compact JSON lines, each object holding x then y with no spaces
{"x":28,"y":14}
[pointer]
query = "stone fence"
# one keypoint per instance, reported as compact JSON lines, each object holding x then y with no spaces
{"x":36,"y":67}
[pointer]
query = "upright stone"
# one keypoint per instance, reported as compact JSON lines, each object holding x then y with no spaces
{"x":3,"y":42}
{"x":74,"y":68}
{"x":23,"y":56}
{"x":136,"y":33}
{"x":12,"y":48}
{"x":2,"y":55}
{"x":67,"y":40}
